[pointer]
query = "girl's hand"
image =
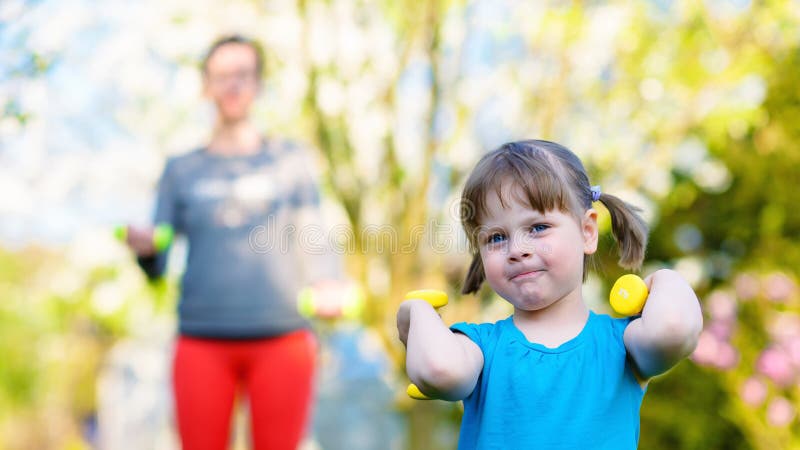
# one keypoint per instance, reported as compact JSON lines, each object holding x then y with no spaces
{"x":404,"y":317}
{"x":140,"y":240}
{"x":443,"y":364}
{"x":667,"y":282}
{"x":669,"y":327}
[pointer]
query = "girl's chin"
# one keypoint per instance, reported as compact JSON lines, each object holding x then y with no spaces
{"x":530,"y":307}
{"x":530,"y":303}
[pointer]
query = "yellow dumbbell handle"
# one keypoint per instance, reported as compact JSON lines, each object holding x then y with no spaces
{"x":437,"y":299}
{"x":628,"y":295}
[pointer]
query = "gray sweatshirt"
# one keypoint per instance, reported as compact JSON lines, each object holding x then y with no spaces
{"x":242,"y":216}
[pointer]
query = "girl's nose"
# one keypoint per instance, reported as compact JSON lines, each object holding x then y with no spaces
{"x":519,"y":256}
{"x":519,"y":249}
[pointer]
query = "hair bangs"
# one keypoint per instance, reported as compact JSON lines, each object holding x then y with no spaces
{"x":525,"y":174}
{"x":533,"y":180}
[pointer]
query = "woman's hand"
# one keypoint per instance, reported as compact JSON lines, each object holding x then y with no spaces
{"x":332,"y":298}
{"x":140,"y":240}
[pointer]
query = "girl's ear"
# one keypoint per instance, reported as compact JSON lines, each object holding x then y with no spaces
{"x":590,"y":231}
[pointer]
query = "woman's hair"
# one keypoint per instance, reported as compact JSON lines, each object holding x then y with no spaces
{"x":237,"y":39}
{"x":549,"y":177}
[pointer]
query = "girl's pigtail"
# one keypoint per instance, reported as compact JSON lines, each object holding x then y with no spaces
{"x":475,"y":276}
{"x":629,"y":229}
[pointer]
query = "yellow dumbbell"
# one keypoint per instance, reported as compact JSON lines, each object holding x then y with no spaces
{"x":437,"y":299}
{"x":628,"y":295}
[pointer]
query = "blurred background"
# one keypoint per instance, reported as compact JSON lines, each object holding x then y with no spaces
{"x":688,"y":109}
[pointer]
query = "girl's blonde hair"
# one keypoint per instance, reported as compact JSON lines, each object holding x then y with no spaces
{"x":550,"y":177}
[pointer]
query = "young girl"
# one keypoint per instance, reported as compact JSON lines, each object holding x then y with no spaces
{"x":554,"y":375}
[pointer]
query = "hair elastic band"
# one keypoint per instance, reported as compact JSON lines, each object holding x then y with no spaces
{"x":595,"y":193}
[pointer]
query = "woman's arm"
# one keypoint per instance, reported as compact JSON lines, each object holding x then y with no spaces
{"x":443,"y":364}
{"x":140,"y":239}
{"x":669,"y":327}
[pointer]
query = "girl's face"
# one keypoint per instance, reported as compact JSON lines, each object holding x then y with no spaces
{"x":531,"y":259}
{"x":231,"y":80}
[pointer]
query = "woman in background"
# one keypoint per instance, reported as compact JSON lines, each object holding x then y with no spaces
{"x":238,"y":201}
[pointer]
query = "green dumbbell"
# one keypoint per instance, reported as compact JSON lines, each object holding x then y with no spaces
{"x":311,"y":303}
{"x":162,"y":235}
{"x":437,"y":299}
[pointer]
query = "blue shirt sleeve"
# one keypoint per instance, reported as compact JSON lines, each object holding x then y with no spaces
{"x":471,"y":330}
{"x":482,"y":334}
{"x":618,"y":326}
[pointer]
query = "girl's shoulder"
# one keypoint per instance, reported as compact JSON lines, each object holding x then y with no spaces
{"x":483,"y":333}
{"x":612,"y":329}
{"x":617,"y":324}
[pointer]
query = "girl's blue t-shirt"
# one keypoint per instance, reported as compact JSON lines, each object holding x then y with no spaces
{"x":581,"y":394}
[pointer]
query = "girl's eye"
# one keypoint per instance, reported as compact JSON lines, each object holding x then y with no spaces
{"x":539,"y":227}
{"x":495,"y":238}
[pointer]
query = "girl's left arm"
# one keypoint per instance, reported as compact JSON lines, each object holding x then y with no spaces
{"x":668,"y":329}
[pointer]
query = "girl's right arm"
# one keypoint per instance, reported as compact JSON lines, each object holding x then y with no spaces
{"x":442,"y":364}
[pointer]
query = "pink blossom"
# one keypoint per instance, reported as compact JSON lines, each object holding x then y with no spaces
{"x":721,"y":330}
{"x":726,"y":357}
{"x":706,"y":351}
{"x":792,"y":348}
{"x":753,"y":391}
{"x":784,"y":326}
{"x":721,"y":306}
{"x":780,"y":412}
{"x":775,"y":364}
{"x":779,"y":287}
{"x":746,"y":286}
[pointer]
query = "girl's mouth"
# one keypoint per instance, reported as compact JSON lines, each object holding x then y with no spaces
{"x":526,"y":274}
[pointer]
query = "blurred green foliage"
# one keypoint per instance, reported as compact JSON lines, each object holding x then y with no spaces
{"x":53,"y":337}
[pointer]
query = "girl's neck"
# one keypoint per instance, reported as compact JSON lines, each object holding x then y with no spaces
{"x":556,"y":324}
{"x":234,"y":138}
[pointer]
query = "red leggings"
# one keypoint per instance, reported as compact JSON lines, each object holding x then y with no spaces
{"x":275,"y":374}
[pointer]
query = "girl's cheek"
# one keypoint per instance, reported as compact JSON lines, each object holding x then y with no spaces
{"x":545,"y":249}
